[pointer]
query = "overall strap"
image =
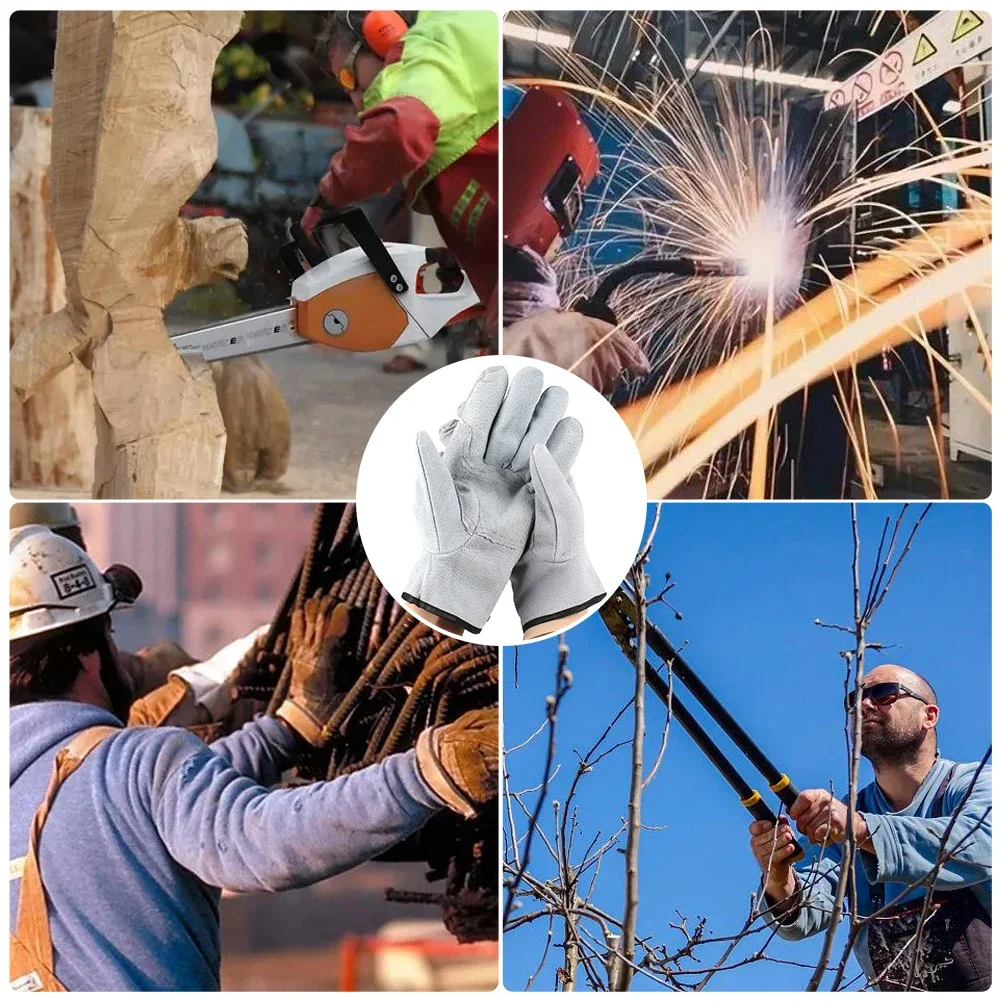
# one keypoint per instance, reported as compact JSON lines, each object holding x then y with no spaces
{"x":938,"y":804}
{"x":32,"y":910}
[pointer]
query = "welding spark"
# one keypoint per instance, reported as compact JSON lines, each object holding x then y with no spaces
{"x":752,"y":190}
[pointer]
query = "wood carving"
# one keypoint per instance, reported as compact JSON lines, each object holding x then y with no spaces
{"x":52,"y":435}
{"x":133,"y":135}
{"x":258,"y":426}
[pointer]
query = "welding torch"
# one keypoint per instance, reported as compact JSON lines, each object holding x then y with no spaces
{"x":681,"y":267}
{"x":619,"y":615}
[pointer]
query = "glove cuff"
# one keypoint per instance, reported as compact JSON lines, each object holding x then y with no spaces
{"x":546,"y":591}
{"x":438,"y":780}
{"x":301,"y":722}
{"x":463,"y":585}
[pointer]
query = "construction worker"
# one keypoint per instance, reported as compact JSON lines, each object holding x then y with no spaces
{"x":166,"y":685}
{"x":122,"y":838}
{"x":426,"y":97}
{"x":924,"y":821}
{"x":553,"y":158}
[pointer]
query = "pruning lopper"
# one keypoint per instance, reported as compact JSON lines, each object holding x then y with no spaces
{"x":370,"y":297}
{"x":619,"y":615}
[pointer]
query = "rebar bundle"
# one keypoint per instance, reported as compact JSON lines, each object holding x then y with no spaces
{"x":410,"y":677}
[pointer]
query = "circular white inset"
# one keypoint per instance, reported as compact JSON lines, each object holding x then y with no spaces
{"x":607,"y":476}
{"x":335,"y":322}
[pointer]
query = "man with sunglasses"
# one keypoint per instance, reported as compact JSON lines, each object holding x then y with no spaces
{"x":116,"y":872}
{"x":924,"y":822}
{"x":426,"y":97}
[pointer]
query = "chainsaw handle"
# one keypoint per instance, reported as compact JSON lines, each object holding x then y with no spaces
{"x":355,"y":221}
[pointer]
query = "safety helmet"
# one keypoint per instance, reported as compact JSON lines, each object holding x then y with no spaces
{"x":557,"y":159}
{"x":54,"y":515}
{"x":55,"y":584}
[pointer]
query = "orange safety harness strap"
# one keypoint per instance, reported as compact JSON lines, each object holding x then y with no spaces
{"x":31,"y":958}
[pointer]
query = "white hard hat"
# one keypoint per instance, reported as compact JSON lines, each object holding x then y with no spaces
{"x":54,"y":583}
{"x":51,"y":514}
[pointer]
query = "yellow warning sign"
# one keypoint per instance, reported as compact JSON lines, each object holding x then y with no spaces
{"x":925,"y":50}
{"x":967,"y":21}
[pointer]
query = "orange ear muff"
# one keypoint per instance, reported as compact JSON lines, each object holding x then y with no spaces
{"x":382,"y":29}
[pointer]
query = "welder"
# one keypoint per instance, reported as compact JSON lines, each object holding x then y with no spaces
{"x":426,"y":97}
{"x":922,"y":827}
{"x":551,"y":159}
{"x":121,"y":838}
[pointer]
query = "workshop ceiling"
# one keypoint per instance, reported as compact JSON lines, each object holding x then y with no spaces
{"x":829,"y":44}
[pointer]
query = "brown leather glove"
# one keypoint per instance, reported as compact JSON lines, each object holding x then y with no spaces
{"x":459,"y":760}
{"x":323,"y":666}
{"x":147,"y":669}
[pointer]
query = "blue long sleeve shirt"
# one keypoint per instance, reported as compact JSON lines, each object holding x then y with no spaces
{"x":142,"y":838}
{"x":906,"y":846}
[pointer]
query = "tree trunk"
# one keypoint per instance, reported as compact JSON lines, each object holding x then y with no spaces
{"x":133,"y":136}
{"x":52,"y":435}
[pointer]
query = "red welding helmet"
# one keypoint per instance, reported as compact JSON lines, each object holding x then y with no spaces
{"x":550,"y":157}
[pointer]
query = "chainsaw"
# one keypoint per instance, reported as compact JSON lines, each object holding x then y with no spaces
{"x":370,"y":297}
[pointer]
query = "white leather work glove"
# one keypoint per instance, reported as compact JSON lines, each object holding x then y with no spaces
{"x":553,"y":577}
{"x":565,"y":339}
{"x":474,"y":504}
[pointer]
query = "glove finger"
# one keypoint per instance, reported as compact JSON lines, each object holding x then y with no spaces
{"x":564,"y":443}
{"x":480,"y":408}
{"x":446,"y":431}
{"x":297,"y":631}
{"x":551,"y":407}
{"x":439,"y":517}
{"x":631,"y":354}
{"x":311,"y":612}
{"x":336,"y":654}
{"x":337,"y":621}
{"x":557,"y":507}
{"x":514,"y":417}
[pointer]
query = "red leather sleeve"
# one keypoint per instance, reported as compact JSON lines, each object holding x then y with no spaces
{"x":390,"y":141}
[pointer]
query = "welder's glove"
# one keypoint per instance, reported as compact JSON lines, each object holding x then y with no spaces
{"x":554,"y":577}
{"x":474,"y":505}
{"x":323,"y":666}
{"x":592,"y":349}
{"x":459,"y":760}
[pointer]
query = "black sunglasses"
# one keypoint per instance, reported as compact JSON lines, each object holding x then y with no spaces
{"x":884,"y":693}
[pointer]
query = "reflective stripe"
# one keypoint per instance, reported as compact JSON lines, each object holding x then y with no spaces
{"x":474,"y":216}
{"x":459,"y":208}
{"x":752,"y":799}
{"x":780,"y":784}
{"x":16,"y":868}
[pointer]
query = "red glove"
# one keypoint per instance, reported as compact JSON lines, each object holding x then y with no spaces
{"x":310,"y":218}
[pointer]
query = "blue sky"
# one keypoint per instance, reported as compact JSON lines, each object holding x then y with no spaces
{"x":751,"y":580}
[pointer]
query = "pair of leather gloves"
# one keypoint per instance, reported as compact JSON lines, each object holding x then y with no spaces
{"x":459,"y":760}
{"x":500,"y":505}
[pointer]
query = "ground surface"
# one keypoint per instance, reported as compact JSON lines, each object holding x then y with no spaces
{"x":336,"y":399}
{"x":915,"y":473}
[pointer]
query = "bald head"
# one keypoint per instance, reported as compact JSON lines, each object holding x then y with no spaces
{"x":903,"y":675}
